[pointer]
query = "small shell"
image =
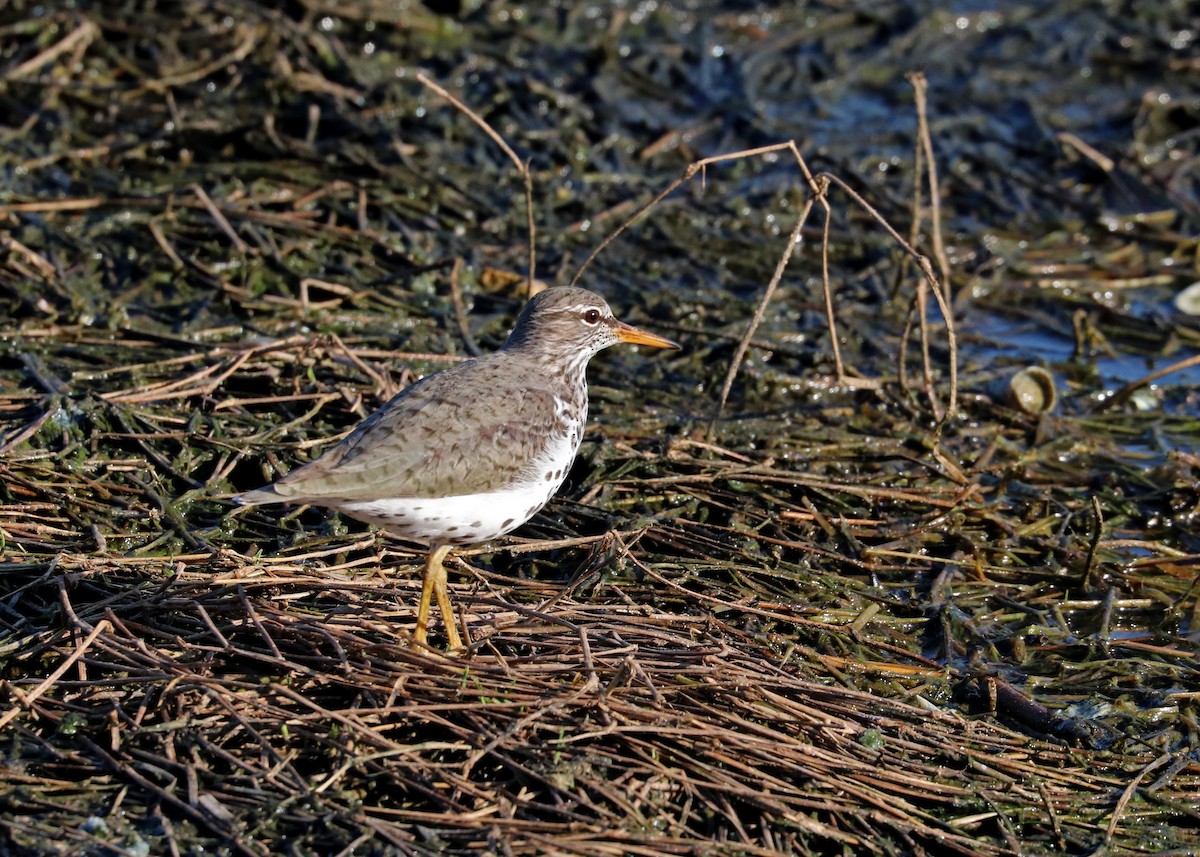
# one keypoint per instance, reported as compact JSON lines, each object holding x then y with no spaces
{"x":1188,"y":301}
{"x":1031,"y":390}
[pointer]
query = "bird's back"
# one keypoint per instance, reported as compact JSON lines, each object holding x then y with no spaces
{"x":466,"y":430}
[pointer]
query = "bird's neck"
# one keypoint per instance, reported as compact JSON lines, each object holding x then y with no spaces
{"x":563,"y":371}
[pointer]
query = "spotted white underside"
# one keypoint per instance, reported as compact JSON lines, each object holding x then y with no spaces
{"x":462,"y":520}
{"x":472,"y":518}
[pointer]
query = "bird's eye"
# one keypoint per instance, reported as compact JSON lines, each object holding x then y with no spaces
{"x":591,"y":316}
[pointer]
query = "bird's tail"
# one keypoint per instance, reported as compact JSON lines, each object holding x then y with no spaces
{"x":258,"y":497}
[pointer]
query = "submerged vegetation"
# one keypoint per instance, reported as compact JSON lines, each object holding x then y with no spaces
{"x":806,"y":590}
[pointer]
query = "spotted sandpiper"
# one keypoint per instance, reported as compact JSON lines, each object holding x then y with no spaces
{"x":470,"y":453}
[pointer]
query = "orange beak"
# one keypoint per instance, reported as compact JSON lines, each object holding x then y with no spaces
{"x":636,"y":336}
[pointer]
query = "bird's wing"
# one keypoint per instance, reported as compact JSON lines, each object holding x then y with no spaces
{"x":456,"y":432}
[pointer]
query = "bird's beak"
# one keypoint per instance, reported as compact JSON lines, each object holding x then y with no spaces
{"x":636,"y":336}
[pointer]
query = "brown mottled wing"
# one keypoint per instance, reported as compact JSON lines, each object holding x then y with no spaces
{"x":468,"y":429}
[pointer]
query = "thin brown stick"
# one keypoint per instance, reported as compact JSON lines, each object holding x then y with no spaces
{"x":35,"y":258}
{"x":916,"y":217}
{"x":920,"y":90}
{"x":688,"y":174}
{"x":83,"y":35}
{"x":183,"y":387}
{"x":460,"y":307}
{"x":54,"y":205}
{"x":522,"y":168}
{"x":383,"y":382}
{"x":232,"y":58}
{"x":827,"y":287}
{"x":361,"y":209}
{"x":743,"y":344}
{"x":1128,"y":793}
{"x":220,"y":219}
{"x":927,"y":269}
{"x":1090,"y":152}
{"x":1122,"y":395}
{"x":160,"y":238}
{"x":929,"y":163}
{"x":921,"y":302}
{"x":902,"y":355}
{"x":27,"y":699}
{"x":818,"y":184}
{"x":1089,"y":566}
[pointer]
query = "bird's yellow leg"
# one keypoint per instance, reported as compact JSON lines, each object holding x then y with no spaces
{"x":434,"y":584}
{"x":428,"y":581}
{"x":453,"y":640}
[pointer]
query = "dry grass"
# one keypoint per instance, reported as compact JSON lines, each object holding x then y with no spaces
{"x":267,"y":702}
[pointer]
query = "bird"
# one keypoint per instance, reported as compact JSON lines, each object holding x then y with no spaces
{"x":468,"y":454}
